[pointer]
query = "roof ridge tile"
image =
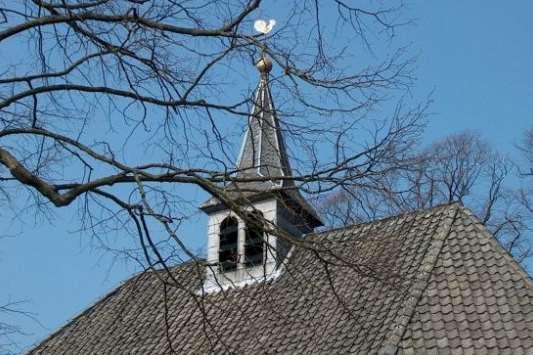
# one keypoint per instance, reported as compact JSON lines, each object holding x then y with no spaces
{"x":428,"y":263}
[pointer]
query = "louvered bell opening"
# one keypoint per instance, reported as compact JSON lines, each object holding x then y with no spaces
{"x":228,"y":255}
{"x":254,"y":245}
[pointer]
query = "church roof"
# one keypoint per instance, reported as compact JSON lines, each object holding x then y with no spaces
{"x":418,"y":283}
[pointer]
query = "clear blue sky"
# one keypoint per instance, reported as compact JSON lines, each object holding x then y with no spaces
{"x":476,"y":55}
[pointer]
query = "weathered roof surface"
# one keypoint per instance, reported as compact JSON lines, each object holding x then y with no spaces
{"x":477,"y":299}
{"x":414,"y":283}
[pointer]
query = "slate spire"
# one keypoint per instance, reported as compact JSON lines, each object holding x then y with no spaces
{"x":263,"y":155}
{"x":263,"y":151}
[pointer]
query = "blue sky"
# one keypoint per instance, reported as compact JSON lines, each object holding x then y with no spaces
{"x":475,"y":55}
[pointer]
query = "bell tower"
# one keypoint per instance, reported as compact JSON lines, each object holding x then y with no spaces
{"x":239,"y":251}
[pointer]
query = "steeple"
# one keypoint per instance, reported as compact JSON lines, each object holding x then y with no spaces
{"x":243,"y":251}
{"x":263,"y":154}
{"x":263,"y":151}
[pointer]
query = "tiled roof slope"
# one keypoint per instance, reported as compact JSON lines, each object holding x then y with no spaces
{"x":412,"y":270}
{"x":477,"y":301}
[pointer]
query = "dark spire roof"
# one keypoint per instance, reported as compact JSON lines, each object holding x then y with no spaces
{"x":263,"y":154}
{"x":263,"y":151}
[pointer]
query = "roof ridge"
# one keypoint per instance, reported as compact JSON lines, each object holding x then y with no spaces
{"x":420,"y":283}
{"x":387,"y":219}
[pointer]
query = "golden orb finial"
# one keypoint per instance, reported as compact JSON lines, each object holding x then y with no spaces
{"x":264,"y":65}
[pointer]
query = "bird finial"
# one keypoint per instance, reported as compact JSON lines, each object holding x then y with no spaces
{"x":264,"y":64}
{"x":264,"y":27}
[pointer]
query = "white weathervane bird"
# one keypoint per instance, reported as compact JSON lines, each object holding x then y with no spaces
{"x":264,"y":27}
{"x":264,"y":65}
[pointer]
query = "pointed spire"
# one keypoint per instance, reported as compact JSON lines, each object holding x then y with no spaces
{"x":263,"y":154}
{"x":263,"y":151}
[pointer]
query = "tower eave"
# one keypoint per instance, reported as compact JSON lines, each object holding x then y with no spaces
{"x":291,"y":198}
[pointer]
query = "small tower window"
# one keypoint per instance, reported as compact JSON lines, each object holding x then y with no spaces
{"x":254,"y":244}
{"x":228,"y":255}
